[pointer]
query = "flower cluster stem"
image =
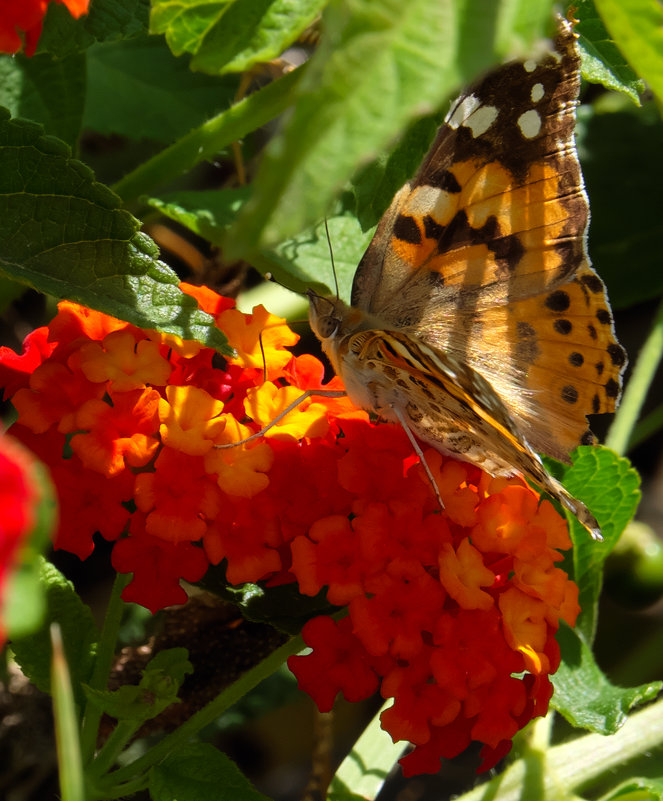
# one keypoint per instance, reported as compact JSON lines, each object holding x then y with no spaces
{"x":208,"y":714}
{"x":102,"y":666}
{"x":579,"y":762}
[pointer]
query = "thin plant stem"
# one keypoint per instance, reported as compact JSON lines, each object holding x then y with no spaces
{"x":636,"y":391}
{"x":207,"y":140}
{"x":102,"y":665}
{"x":72,"y":783}
{"x":208,"y":714}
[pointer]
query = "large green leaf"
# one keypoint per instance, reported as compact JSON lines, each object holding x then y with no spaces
{"x":79,"y":633}
{"x":106,"y":20}
{"x":186,"y":22}
{"x":299,"y":263}
{"x":252,"y":33}
{"x":602,"y":61}
{"x":47,"y":90}
{"x":637,"y":29}
{"x":199,"y":772}
{"x":610,"y":488}
{"x":63,"y":233}
{"x":584,"y":695}
{"x":380,"y":64}
{"x":138,"y":89}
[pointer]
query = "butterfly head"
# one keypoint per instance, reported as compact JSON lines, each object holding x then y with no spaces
{"x":327,"y":315}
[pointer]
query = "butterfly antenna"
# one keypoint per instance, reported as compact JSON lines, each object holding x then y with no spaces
{"x":264,"y":358}
{"x":331,"y":256}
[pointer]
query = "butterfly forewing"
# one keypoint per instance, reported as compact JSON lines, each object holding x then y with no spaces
{"x":484,"y":254}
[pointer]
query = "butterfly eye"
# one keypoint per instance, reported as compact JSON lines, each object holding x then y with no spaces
{"x":328,"y":326}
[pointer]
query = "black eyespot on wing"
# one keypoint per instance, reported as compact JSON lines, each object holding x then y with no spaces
{"x":617,"y":354}
{"x":600,"y":367}
{"x":569,"y":394}
{"x":603,"y":316}
{"x":611,"y":388}
{"x":587,"y":438}
{"x":593,"y":283}
{"x":596,"y":404}
{"x":576,"y":359}
{"x":558,"y":301}
{"x":407,"y":230}
{"x":591,"y":331}
{"x":563,"y":326}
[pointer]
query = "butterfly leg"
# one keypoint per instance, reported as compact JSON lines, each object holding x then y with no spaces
{"x":324,"y":393}
{"x":417,"y":449}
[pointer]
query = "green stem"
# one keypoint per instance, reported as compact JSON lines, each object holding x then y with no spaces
{"x":70,"y":763}
{"x":574,"y":765}
{"x":207,"y":714}
{"x":649,"y":425}
{"x":126,"y":790}
{"x":102,"y":665}
{"x":112,"y":748}
{"x":206,"y":141}
{"x":637,"y":388}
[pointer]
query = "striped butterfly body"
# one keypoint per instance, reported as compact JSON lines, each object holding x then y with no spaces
{"x":476,"y":320}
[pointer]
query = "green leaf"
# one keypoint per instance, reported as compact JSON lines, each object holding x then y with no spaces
{"x":637,"y":29}
{"x":106,"y":20}
{"x":207,"y":213}
{"x":138,"y":89}
{"x":610,"y":488}
{"x":282,"y":607}
{"x":299,"y":263}
{"x":185,"y":22}
{"x":9,"y":292}
{"x":639,"y":788}
{"x":157,"y":689}
{"x":584,"y":695}
{"x":63,"y":233}
{"x":79,"y":634}
{"x":363,"y":772}
{"x":47,"y":90}
{"x":252,"y":33}
{"x":380,"y":65}
{"x":620,"y":145}
{"x":601,"y":60}
{"x":205,"y":142}
{"x":374,"y":186}
{"x":303,"y":261}
{"x":198,"y":772}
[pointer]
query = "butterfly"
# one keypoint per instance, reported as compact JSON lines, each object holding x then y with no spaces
{"x":476,"y":320}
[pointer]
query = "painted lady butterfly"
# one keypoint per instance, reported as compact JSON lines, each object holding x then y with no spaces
{"x":477,"y":321}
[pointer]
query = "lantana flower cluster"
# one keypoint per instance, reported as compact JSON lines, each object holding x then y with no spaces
{"x":452,"y":613}
{"x":21,"y":22}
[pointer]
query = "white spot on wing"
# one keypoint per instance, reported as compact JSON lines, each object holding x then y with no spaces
{"x":529,"y":65}
{"x":470,"y":113}
{"x":462,"y":111}
{"x":537,"y":92}
{"x":529,"y":123}
{"x":481,"y":120}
